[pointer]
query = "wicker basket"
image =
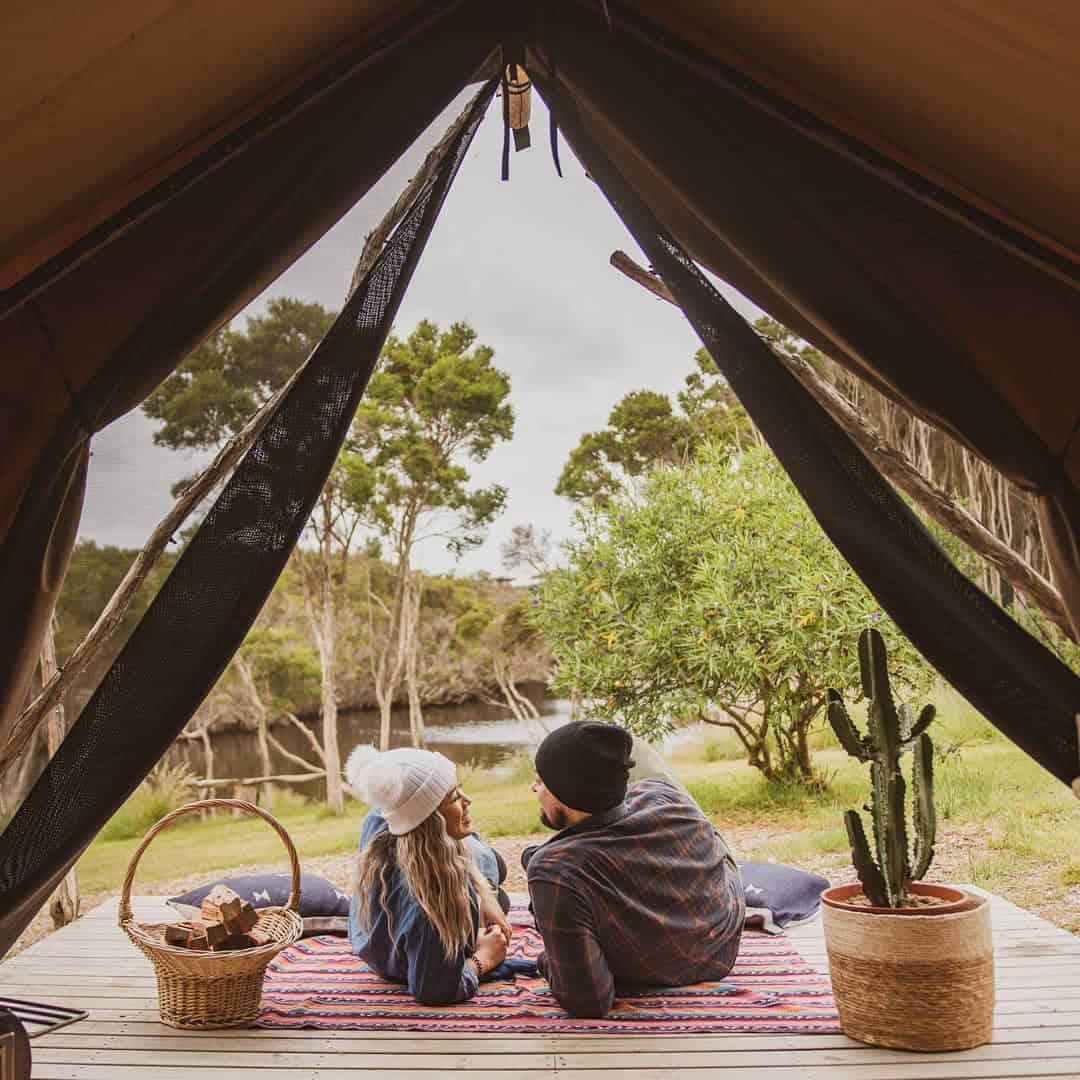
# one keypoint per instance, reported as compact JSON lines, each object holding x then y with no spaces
{"x":917,"y":982}
{"x":212,"y":989}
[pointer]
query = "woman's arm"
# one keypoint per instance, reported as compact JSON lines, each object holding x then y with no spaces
{"x":434,"y":978}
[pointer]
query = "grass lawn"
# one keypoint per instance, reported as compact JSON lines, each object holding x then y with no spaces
{"x":1004,"y":823}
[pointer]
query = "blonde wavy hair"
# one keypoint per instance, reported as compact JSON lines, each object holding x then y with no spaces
{"x":436,"y":869}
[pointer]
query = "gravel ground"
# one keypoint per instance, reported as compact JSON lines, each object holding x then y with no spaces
{"x":957,"y":847}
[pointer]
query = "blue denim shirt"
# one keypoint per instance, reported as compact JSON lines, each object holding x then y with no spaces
{"x":406,"y":948}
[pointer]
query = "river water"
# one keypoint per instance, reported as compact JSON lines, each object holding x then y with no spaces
{"x":482,"y":735}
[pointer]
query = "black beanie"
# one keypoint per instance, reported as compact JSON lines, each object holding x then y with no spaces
{"x":586,"y":765}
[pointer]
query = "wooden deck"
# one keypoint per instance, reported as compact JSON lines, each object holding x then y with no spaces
{"x":92,"y":965}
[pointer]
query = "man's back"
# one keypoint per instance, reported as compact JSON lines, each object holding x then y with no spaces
{"x":642,"y":895}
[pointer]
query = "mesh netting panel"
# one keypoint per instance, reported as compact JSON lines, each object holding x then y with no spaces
{"x":1018,"y":684}
{"x":204,"y":609}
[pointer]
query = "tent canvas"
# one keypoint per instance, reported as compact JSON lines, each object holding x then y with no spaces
{"x":942,"y":269}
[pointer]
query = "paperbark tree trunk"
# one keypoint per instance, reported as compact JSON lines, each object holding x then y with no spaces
{"x":411,"y":642}
{"x":262,"y":742}
{"x":323,"y":589}
{"x":335,"y":797}
{"x":388,"y":667}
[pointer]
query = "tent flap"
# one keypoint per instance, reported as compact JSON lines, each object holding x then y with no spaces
{"x":1015,"y":681}
{"x":109,"y":330}
{"x":220,"y":582}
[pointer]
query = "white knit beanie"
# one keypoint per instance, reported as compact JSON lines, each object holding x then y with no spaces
{"x":405,"y":785}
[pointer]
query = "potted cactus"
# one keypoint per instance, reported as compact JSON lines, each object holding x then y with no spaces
{"x":911,"y":962}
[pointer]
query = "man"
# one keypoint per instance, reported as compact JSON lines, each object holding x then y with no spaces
{"x":637,"y":889}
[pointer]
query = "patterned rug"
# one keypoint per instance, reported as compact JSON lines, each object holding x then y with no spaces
{"x":319,"y":983}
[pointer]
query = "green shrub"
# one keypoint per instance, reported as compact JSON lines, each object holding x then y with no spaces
{"x":712,"y":592}
{"x":166,"y":788}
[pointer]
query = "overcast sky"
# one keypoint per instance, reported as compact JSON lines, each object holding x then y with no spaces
{"x":526,"y":263}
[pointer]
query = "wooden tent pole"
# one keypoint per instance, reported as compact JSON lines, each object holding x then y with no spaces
{"x":376,"y":239}
{"x":895,"y":466}
{"x":64,"y":903}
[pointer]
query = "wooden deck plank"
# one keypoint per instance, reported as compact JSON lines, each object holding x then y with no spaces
{"x":81,"y":1071}
{"x":314,"y":1059}
{"x":1009,"y":1015}
{"x":308,"y":1062}
{"x":255,"y":1071}
{"x":922,"y":1069}
{"x":92,"y":964}
{"x":157,"y":1037}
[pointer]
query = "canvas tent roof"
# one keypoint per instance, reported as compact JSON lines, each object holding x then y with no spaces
{"x":894,"y":181}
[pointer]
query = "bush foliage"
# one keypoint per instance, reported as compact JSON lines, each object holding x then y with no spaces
{"x":715,"y":596}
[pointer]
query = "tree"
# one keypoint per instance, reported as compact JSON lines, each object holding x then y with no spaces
{"x":324,"y":572}
{"x":510,"y":643}
{"x":211,"y":395}
{"x":436,"y":402}
{"x":946,"y":481}
{"x":644,"y":430}
{"x":713,"y":596}
{"x":271,"y":673}
{"x":527,"y":547}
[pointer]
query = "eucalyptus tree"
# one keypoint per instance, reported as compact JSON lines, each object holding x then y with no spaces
{"x":436,"y":404}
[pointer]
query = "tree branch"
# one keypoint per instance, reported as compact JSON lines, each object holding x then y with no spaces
{"x":289,"y":755}
{"x":308,"y":734}
{"x":252,"y":781}
{"x":376,"y":239}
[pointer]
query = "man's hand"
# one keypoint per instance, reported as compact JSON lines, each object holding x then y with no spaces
{"x":491,"y":915}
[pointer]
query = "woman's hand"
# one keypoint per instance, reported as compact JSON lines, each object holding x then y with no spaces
{"x":492,"y":915}
{"x":490,"y":947}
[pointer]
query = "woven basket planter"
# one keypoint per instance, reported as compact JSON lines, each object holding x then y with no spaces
{"x":912,"y":981}
{"x":212,"y":989}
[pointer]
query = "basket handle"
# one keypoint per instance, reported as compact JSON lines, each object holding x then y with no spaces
{"x":191,"y":808}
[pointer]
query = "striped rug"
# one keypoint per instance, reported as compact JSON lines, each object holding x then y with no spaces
{"x":319,"y":983}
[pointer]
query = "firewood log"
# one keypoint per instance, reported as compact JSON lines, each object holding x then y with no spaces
{"x":213,"y":932}
{"x":178,"y":934}
{"x":249,"y":940}
{"x":225,"y":906}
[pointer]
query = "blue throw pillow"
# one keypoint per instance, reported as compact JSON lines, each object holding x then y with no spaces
{"x":779,"y":896}
{"x":323,"y":907}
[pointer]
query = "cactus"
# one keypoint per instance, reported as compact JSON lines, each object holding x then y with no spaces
{"x":887,"y":872}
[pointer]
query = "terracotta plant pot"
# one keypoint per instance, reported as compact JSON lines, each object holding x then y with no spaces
{"x":954,"y":899}
{"x":914,"y":978}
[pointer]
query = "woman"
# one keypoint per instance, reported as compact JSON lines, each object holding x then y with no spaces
{"x":422,"y":913}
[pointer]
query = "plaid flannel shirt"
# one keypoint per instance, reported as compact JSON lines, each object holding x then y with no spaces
{"x":644,"y":895}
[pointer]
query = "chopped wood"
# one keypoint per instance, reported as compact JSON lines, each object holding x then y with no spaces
{"x":253,"y":939}
{"x":223,"y":905}
{"x":202,"y":935}
{"x":178,"y":934}
{"x":214,"y":932}
{"x":187,"y":935}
